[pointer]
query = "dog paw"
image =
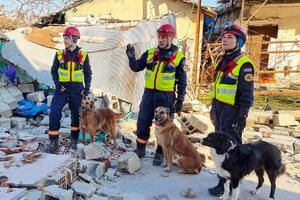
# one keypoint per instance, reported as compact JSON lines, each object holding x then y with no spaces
{"x":181,"y":171}
{"x":255,"y":192}
{"x":223,"y":197}
{"x":167,"y":169}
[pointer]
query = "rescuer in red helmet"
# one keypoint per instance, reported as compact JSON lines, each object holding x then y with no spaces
{"x":164,"y":75}
{"x":72,"y":75}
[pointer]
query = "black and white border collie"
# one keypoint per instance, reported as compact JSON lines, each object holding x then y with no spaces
{"x":233,"y":162}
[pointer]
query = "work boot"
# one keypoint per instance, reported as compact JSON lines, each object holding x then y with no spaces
{"x":158,"y":158}
{"x":53,"y":146}
{"x":140,"y":150}
{"x":74,"y":143}
{"x":218,"y":190}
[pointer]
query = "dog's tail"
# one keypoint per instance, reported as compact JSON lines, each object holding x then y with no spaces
{"x":281,"y":169}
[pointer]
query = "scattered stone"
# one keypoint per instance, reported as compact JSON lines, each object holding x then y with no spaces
{"x":94,"y":150}
{"x":129,"y":138}
{"x":7,"y":98}
{"x":36,"y":96}
{"x":295,"y":134}
{"x":263,"y":117}
{"x":84,"y":189}
{"x":297,"y":147}
{"x":106,"y":192}
{"x":266,"y":131}
{"x":80,"y":151}
{"x":26,"y":87}
{"x":18,"y":122}
{"x":296,"y":158}
{"x":5,"y":122}
{"x":100,"y":170}
{"x":55,"y":192}
{"x":26,"y":137}
{"x":5,"y":110}
{"x":164,"y":174}
{"x":188,"y":193}
{"x":129,"y":162}
{"x":252,"y":135}
{"x":110,"y":174}
{"x":284,"y":120}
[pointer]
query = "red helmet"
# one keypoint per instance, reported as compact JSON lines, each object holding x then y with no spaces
{"x":72,"y":30}
{"x":236,"y":30}
{"x":166,"y":29}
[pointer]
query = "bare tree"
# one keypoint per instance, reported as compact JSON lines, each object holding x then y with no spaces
{"x":27,"y":10}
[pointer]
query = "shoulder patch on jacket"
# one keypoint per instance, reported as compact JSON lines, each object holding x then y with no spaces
{"x":248,"y":77}
{"x":248,"y":70}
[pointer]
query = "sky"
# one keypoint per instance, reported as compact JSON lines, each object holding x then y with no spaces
{"x":208,"y":3}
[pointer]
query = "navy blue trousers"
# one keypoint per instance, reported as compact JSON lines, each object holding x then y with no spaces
{"x":71,"y":96}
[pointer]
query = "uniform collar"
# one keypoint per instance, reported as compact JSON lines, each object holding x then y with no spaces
{"x":232,"y":56}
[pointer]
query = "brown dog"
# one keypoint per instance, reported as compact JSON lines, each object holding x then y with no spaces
{"x":102,"y":118}
{"x":173,"y":140}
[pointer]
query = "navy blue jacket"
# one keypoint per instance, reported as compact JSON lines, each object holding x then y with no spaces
{"x":86,"y":71}
{"x":180,"y":75}
{"x":244,"y":97}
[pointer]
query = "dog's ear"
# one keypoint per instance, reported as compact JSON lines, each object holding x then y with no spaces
{"x":168,"y":111}
{"x":92,"y":104}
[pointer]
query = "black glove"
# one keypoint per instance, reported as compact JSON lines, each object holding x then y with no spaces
{"x":130,"y":51}
{"x":178,"y":106}
{"x":240,"y":124}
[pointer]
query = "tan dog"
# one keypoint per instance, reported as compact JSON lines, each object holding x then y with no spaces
{"x":173,"y":140}
{"x":102,"y":118}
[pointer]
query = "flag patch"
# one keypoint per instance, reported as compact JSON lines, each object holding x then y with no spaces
{"x":248,"y":70}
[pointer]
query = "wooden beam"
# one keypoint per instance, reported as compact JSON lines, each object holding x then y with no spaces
{"x":196,"y":45}
{"x":278,"y":93}
{"x":274,"y":72}
{"x":242,"y":12}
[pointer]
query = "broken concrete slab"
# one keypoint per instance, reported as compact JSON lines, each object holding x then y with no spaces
{"x":15,"y":194}
{"x":18,"y":122}
{"x":84,"y":189}
{"x":26,"y":174}
{"x":26,"y":87}
{"x":5,"y":110}
{"x":55,"y":192}
{"x":107,"y":192}
{"x":202,"y":123}
{"x":95,"y":150}
{"x":252,"y":135}
{"x":266,"y":131}
{"x":15,"y":92}
{"x":297,"y":147}
{"x":6,"y":97}
{"x":33,"y":195}
{"x":36,"y":97}
{"x":110,"y":174}
{"x":26,"y":137}
{"x":5,"y":122}
{"x":129,"y":162}
{"x":295,"y":113}
{"x":284,"y":120}
{"x":281,"y":132}
{"x":263,"y":117}
{"x":295,"y":134}
{"x":129,"y":138}
{"x":284,"y":138}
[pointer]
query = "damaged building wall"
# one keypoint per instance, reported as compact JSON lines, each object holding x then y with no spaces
{"x":127,"y":10}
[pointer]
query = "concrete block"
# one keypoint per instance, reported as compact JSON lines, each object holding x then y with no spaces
{"x":202,"y":123}
{"x":295,"y":113}
{"x":253,"y":135}
{"x":263,"y":117}
{"x":5,"y":122}
{"x":26,"y":87}
{"x":100,"y":170}
{"x":53,"y":191}
{"x":26,"y":137}
{"x":256,"y":127}
{"x":94,"y":151}
{"x":129,"y":162}
{"x":6,"y":97}
{"x":36,"y":96}
{"x":284,"y":120}
{"x":284,"y":138}
{"x":84,"y":189}
{"x":33,"y":195}
{"x":15,"y":92}
{"x":129,"y":138}
{"x":285,"y":146}
{"x":266,"y":131}
{"x":187,"y":107}
{"x":297,"y":147}
{"x":80,"y":151}
{"x":110,"y":174}
{"x":18,"y":122}
{"x":281,"y":132}
{"x":295,"y":133}
{"x":5,"y":110}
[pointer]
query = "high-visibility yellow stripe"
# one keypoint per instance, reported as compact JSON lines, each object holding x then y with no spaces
{"x":141,"y":140}
{"x":53,"y":133}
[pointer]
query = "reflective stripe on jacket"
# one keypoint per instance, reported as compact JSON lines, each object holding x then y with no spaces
{"x":225,"y":91}
{"x":72,"y":70}
{"x":160,"y":75}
